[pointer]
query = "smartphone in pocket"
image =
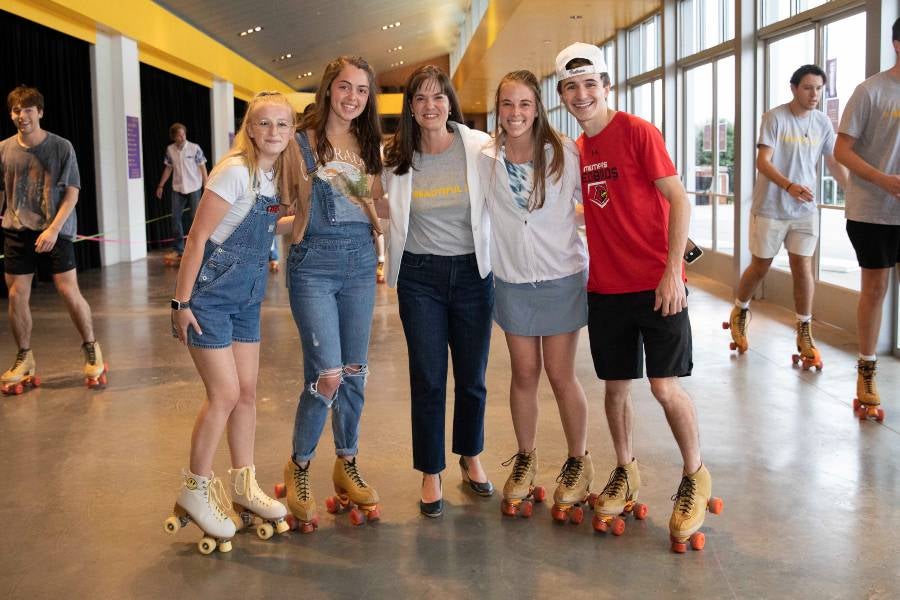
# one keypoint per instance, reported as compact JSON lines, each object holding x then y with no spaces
{"x":692,"y":252}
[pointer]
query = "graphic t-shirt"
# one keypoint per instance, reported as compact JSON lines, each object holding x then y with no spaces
{"x":626,"y":216}
{"x":440,"y":220}
{"x":346,"y":173}
{"x":34,"y":181}
{"x":521,"y":181}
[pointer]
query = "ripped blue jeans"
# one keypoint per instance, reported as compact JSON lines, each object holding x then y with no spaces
{"x":332,"y":292}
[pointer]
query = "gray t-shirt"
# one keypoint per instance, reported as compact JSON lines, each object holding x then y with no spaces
{"x":872,"y":116}
{"x":440,"y":220}
{"x":797,"y":144}
{"x":34,"y":181}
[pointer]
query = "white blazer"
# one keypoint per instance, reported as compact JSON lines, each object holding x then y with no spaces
{"x":542,"y":245}
{"x":399,"y":191}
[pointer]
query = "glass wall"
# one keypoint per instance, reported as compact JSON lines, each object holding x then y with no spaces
{"x":704,"y":24}
{"x":724,"y":144}
{"x":698,"y":145}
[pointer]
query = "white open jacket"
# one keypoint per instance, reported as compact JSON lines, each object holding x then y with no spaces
{"x":399,"y":191}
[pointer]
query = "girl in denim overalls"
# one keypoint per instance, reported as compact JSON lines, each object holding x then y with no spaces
{"x":331,"y":278}
{"x":216,"y":309}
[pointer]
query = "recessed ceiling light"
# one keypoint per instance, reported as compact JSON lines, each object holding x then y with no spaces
{"x":390,"y":26}
{"x":304,"y":75}
{"x":283,"y":57}
{"x":395,"y":49}
{"x":250,"y":30}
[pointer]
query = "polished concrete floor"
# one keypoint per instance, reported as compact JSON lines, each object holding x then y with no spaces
{"x":812,"y":496}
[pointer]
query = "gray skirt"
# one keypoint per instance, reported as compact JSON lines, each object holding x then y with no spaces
{"x":543,"y":308}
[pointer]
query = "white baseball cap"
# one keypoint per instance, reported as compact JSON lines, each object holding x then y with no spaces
{"x":588,"y":52}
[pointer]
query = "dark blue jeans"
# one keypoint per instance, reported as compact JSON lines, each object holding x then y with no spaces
{"x":183,"y":219}
{"x":444,"y":303}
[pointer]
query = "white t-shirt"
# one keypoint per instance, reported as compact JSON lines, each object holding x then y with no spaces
{"x":230,"y":179}
{"x":872,"y":117}
{"x":185,"y":163}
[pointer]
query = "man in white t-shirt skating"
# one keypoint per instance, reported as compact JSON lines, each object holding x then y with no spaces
{"x":792,"y":138}
{"x":185,"y":162}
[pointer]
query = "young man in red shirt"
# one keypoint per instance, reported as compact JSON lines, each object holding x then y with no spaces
{"x":637,"y":216}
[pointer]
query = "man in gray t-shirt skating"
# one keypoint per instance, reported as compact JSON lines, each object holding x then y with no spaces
{"x":869,"y":145}
{"x":792,"y":139}
{"x":40,"y":183}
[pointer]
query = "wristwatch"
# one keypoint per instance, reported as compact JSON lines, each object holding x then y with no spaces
{"x":178,"y":305}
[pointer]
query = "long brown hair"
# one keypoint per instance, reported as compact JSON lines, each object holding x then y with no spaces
{"x":287,"y":165}
{"x":399,"y":150}
{"x":542,"y":133}
{"x":366,"y":127}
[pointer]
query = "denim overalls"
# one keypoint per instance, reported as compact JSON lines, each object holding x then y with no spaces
{"x":331,"y":281}
{"x":232,"y":282}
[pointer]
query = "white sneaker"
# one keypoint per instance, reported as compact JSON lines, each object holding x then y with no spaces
{"x":205,"y":500}
{"x":246,"y":493}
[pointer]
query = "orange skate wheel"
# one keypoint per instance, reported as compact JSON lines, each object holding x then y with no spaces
{"x":577,"y":515}
{"x":19,"y":389}
{"x":374,"y":514}
{"x":36,"y":381}
{"x":795,"y":358}
{"x":861,"y":413}
{"x":715,"y":505}
{"x":356,"y":517}
{"x":103,"y":379}
{"x":733,"y":346}
{"x":679,"y":547}
{"x":592,"y":500}
{"x":332,"y":504}
{"x":599,"y":524}
{"x":307,"y":527}
{"x":879,"y":415}
{"x":558,"y":514}
{"x":640,"y":511}
{"x":507,"y":509}
{"x":292,"y":522}
{"x":618,"y":526}
{"x":526,"y":509}
{"x":539,"y":493}
{"x":856,"y":404}
{"x":280,"y":490}
{"x":725,"y":325}
{"x":698,"y":540}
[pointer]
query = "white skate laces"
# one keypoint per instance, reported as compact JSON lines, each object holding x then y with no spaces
{"x":571,"y":472}
{"x":684,"y":497}
{"x":213,"y":492}
{"x":245,"y":486}
{"x":521,"y":466}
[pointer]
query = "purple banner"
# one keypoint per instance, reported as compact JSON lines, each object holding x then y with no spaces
{"x":133,"y":133}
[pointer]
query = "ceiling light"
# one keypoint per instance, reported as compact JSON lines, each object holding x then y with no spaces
{"x":303,"y":75}
{"x":255,"y":29}
{"x":390,"y":26}
{"x":395,"y":49}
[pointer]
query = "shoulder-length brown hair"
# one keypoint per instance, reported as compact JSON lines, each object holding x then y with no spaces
{"x":287,"y":165}
{"x":542,"y":133}
{"x":398,"y":152}
{"x":366,"y":127}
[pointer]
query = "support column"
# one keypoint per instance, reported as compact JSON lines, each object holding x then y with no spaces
{"x":221,"y":101}
{"x":115,"y":78}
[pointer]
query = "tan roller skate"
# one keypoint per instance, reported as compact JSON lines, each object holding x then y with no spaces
{"x":379,"y":272}
{"x":203,"y":500}
{"x":807,"y":353}
{"x":867,"y":404}
{"x":248,"y":501}
{"x":95,"y":370}
{"x":273,"y":266}
{"x":573,"y":490}
{"x":693,"y":498}
{"x":519,"y":489}
{"x":299,"y":496}
{"x":172,"y":259}
{"x":618,"y":498}
{"x":737,"y":323}
{"x":21,"y":375}
{"x":352,"y":493}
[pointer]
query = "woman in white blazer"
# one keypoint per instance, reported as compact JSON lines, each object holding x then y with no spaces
{"x":438,"y":260}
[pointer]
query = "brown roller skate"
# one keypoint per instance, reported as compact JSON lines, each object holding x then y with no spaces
{"x":21,"y":375}
{"x":299,"y":497}
{"x":574,"y":489}
{"x":95,"y":370}
{"x":172,"y":259}
{"x":737,"y":323}
{"x":619,"y":498}
{"x":808,"y":355}
{"x":379,"y":272}
{"x":693,"y":498}
{"x":867,"y":404}
{"x":519,"y":489}
{"x":352,"y":493}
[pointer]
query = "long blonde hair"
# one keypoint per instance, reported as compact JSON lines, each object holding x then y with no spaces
{"x":287,"y":165}
{"x":542,"y":133}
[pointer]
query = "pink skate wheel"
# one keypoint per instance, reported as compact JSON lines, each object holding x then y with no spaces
{"x":577,"y":515}
{"x":36,"y":381}
{"x":331,"y":504}
{"x":698,"y":540}
{"x":280,"y":490}
{"x":618,"y":526}
{"x":539,"y":493}
{"x":856,"y":404}
{"x":725,"y":325}
{"x":308,"y":527}
{"x":374,"y":514}
{"x":291,"y":521}
{"x":19,"y":388}
{"x":733,"y":346}
{"x":526,"y":509}
{"x":715,"y":505}
{"x":640,"y":511}
{"x":599,"y":524}
{"x":880,"y":415}
{"x":356,"y":517}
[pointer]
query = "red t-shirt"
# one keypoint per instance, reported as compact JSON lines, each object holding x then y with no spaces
{"x":626,"y":216}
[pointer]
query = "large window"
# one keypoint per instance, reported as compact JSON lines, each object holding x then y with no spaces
{"x":772,"y":11}
{"x":704,"y":24}
{"x":644,"y":47}
{"x":724,"y":144}
{"x":698,"y":144}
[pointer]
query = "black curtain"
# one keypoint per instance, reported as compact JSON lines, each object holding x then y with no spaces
{"x":240,"y":107}
{"x":60,"y":67}
{"x":167,"y":99}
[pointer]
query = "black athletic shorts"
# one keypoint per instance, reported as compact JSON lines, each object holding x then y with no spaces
{"x":877,"y":246}
{"x":20,"y":257}
{"x":623,"y":327}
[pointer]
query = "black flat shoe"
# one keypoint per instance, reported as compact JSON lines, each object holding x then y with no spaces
{"x":482,"y":489}
{"x":436,"y":508}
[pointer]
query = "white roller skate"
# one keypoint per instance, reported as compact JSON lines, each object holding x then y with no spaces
{"x":203,"y":500}
{"x":248,"y":501}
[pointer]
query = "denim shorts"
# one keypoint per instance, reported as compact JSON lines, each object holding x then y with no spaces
{"x":226,"y":299}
